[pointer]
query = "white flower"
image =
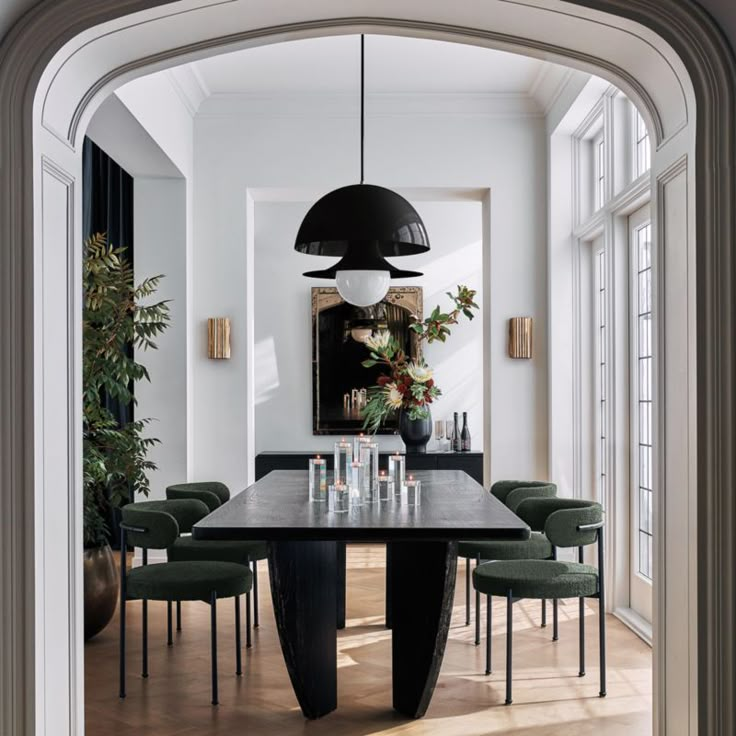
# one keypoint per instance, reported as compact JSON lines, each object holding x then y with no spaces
{"x":394,"y":397}
{"x":378,"y":342}
{"x":419,"y":373}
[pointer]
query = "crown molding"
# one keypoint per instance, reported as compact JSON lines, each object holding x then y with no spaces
{"x":189,"y":85}
{"x":378,"y":105}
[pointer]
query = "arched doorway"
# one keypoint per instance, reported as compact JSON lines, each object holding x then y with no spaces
{"x":52,"y":99}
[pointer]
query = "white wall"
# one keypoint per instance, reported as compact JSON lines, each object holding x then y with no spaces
{"x":283,"y":335}
{"x":237,"y":149}
{"x":160,"y":248}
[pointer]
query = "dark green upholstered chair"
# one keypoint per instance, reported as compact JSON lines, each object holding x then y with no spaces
{"x":157,"y":525}
{"x":214,"y":494}
{"x":567,"y":522}
{"x":537,"y":547}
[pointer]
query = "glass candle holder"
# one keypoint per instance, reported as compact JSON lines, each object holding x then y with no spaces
{"x":357,"y":483}
{"x":343,"y":458}
{"x":358,"y":442}
{"x":338,"y":498}
{"x":317,"y":480}
{"x":397,"y":472}
{"x":385,"y":488}
{"x":412,"y":492}
{"x":369,"y":459}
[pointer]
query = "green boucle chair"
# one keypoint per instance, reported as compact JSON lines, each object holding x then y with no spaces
{"x":214,"y":494}
{"x":567,"y":522}
{"x":537,"y":547}
{"x":157,"y":525}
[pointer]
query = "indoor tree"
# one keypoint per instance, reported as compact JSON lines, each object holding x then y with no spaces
{"x":115,"y":461}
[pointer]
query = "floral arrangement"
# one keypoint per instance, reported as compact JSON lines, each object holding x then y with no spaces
{"x":409,"y":385}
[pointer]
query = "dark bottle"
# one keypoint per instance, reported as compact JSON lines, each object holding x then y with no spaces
{"x":465,"y":434}
{"x":456,"y":441}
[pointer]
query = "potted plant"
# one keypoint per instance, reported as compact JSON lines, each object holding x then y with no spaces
{"x":115,"y":461}
{"x":408,"y":386}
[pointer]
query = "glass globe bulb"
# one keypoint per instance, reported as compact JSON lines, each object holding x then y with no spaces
{"x":362,"y":288}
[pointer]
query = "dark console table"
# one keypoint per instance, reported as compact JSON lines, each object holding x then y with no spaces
{"x":469,"y":462}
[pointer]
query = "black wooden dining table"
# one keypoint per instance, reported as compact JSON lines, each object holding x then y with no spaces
{"x":303,"y":542}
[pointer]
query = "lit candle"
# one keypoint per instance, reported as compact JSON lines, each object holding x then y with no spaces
{"x":343,"y":458}
{"x":338,"y":498}
{"x":413,"y":492}
{"x":385,"y":487}
{"x":369,"y":458}
{"x":357,"y":483}
{"x":396,"y":471}
{"x":317,"y":480}
{"x":358,"y":442}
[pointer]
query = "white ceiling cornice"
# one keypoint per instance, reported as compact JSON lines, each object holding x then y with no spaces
{"x":189,"y":85}
{"x":432,"y":104}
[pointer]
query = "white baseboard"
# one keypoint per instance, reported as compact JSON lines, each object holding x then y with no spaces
{"x":640,"y":626}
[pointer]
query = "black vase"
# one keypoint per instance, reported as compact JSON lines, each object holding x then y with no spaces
{"x":415,"y":433}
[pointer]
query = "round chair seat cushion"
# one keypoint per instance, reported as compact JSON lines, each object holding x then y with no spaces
{"x":536,"y":579}
{"x":537,"y":547}
{"x":242,"y":552}
{"x":188,"y":581}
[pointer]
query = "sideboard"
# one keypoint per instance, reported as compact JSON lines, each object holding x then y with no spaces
{"x":470,"y":462}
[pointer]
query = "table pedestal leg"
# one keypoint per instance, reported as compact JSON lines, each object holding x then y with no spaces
{"x":422,"y":590}
{"x":341,"y":583}
{"x":303,"y":588}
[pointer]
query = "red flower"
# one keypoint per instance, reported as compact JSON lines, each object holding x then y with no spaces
{"x":383,"y":380}
{"x":430,"y":383}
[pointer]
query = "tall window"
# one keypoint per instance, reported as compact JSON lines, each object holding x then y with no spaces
{"x":644,"y":397}
{"x":642,"y":149}
{"x":601,"y":373}
{"x":599,"y":167}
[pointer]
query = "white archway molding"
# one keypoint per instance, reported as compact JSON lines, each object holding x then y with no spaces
{"x":43,"y":63}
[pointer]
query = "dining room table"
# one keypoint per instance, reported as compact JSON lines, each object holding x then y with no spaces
{"x":303,"y":560}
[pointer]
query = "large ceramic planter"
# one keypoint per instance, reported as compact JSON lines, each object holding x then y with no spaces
{"x":101,"y":585}
{"x":415,"y":433}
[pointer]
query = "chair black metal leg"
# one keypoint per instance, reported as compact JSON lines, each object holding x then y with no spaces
{"x":581,"y":671}
{"x":238,"y":654}
{"x":169,"y":633}
{"x":467,"y":591}
{"x":213,"y":631}
{"x":477,"y":608}
{"x":509,"y":644}
{"x":178,"y":615}
{"x":248,"y":639}
{"x":555,"y":621}
{"x":544,"y":612}
{"x":489,"y":614}
{"x":256,"y":623}
{"x":144,"y":672}
{"x":122,"y":646}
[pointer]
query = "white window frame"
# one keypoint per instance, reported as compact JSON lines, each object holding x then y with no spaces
{"x":636,"y":141}
{"x":641,"y":585}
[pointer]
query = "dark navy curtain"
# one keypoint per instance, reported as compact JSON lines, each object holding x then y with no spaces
{"x":107,"y":207}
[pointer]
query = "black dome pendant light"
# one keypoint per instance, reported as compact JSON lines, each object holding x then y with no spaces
{"x":362,"y":224}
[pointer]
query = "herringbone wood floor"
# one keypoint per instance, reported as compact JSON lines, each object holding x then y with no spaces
{"x":549,"y":698}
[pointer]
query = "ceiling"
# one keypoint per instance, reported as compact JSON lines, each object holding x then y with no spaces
{"x":393,"y":64}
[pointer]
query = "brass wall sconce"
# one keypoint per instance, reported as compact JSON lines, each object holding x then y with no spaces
{"x":218,"y":338}
{"x":520,"y":337}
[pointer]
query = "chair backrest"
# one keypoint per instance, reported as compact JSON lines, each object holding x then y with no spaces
{"x":567,"y":522}
{"x":513,"y":492}
{"x":157,"y":524}
{"x":212,"y":492}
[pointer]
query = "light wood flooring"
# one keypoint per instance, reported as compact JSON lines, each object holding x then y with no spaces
{"x":549,"y":697}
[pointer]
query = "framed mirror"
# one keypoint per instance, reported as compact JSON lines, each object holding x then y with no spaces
{"x":339,"y":381}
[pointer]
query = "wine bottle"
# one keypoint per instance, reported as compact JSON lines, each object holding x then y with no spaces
{"x":465,"y":434}
{"x":456,"y":441}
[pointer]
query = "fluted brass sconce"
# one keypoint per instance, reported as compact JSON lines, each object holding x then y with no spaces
{"x":520,"y":337}
{"x":218,"y":338}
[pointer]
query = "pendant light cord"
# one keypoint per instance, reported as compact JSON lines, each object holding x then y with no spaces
{"x":362,"y":105}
